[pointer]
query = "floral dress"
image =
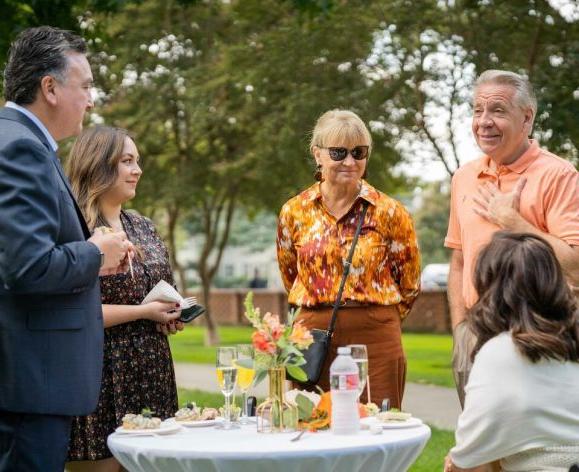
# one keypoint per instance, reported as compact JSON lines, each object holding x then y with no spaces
{"x":137,"y":368}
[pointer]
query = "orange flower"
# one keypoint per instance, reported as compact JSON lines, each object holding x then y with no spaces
{"x":262,"y":343}
{"x":273,"y":325}
{"x":301,"y":336}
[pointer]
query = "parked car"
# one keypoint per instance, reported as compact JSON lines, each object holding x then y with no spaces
{"x":435,"y":276}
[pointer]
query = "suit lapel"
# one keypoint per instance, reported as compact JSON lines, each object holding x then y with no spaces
{"x":56,"y":162}
{"x":15,"y":115}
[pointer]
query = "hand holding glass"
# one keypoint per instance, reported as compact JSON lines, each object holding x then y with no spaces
{"x":227,"y":376}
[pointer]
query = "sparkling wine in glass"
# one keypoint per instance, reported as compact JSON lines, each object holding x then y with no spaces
{"x":227,"y":378}
{"x":245,"y":375}
{"x":360,"y":356}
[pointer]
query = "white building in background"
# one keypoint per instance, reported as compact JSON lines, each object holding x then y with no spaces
{"x":237,"y":263}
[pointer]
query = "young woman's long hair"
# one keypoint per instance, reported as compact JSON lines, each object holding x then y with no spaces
{"x":92,"y":168}
{"x":522,"y":289}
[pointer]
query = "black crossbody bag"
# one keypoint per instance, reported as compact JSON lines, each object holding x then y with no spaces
{"x":316,"y":354}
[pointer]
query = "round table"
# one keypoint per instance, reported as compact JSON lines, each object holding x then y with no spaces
{"x":238,"y":450}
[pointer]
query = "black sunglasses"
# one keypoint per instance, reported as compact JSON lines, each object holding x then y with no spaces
{"x":340,"y":153}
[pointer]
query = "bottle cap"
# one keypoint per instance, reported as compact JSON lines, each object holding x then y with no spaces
{"x":344,"y":350}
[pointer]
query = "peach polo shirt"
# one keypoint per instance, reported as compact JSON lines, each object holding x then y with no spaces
{"x":549,"y":201}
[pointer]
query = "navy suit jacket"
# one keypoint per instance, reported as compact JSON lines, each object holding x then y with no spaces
{"x":51,"y":327}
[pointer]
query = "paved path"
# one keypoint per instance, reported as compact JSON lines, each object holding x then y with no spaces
{"x":437,"y":406}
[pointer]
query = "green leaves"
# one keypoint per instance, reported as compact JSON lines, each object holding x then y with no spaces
{"x":297,"y":373}
{"x":305,"y":407}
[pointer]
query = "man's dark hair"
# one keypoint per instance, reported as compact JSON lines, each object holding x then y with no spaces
{"x":522,"y":289}
{"x":35,"y":53}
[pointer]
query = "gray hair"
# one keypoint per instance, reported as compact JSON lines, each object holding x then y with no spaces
{"x":35,"y":53}
{"x":524,"y":95}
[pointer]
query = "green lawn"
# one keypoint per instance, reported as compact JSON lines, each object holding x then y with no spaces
{"x":428,"y":354}
{"x":431,"y":459}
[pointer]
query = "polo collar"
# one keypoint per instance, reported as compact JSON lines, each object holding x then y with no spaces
{"x":519,"y":166}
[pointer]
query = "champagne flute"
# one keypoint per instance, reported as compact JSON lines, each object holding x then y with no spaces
{"x":227,"y":376}
{"x":360,"y":356}
{"x":245,"y":376}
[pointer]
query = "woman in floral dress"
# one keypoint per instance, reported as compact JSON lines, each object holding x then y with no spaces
{"x":138,"y":369}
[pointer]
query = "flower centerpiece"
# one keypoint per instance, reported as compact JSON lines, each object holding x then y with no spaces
{"x":277,"y":349}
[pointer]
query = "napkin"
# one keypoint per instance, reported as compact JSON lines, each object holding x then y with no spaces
{"x":164,"y":292}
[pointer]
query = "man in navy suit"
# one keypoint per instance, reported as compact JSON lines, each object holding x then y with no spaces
{"x":51,"y":329}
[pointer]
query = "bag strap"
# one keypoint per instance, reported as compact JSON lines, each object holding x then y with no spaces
{"x":347,"y":265}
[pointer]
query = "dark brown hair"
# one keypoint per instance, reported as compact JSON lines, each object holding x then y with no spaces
{"x":522,"y":289}
{"x":35,"y":53}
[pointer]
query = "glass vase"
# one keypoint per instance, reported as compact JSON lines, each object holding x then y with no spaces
{"x":275,"y":414}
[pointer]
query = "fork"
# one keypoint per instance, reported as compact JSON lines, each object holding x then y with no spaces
{"x":299,"y":436}
{"x":189,"y":302}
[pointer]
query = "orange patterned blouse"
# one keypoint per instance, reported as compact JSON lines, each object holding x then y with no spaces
{"x":312,"y":245}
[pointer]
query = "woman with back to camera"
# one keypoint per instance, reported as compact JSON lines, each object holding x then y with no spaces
{"x":104,"y":171}
{"x":315,"y":232}
{"x":521,"y":405}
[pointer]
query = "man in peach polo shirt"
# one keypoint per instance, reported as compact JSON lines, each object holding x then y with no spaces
{"x":515,"y":186}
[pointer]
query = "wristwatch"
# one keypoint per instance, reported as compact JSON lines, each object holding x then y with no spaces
{"x":102,"y":258}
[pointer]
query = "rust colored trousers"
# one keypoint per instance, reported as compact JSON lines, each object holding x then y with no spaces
{"x":376,"y":326}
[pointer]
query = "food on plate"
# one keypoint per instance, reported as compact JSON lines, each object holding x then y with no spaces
{"x":191,"y":412}
{"x":369,"y":409}
{"x":209,"y":414}
{"x":393,"y":415}
{"x":145,"y":420}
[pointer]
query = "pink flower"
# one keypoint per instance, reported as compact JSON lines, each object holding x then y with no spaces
{"x":273,"y":325}
{"x":301,"y":336}
{"x":262,"y":343}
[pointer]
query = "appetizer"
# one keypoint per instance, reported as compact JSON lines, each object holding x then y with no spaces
{"x":393,"y":415}
{"x":145,"y":420}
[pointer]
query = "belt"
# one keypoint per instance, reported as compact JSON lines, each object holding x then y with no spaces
{"x":344,"y":304}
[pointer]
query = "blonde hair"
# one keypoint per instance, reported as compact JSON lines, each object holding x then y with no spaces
{"x":340,"y":126}
{"x":92,"y":168}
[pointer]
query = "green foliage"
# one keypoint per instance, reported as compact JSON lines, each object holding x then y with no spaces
{"x":432,"y":457}
{"x":305,"y":407}
{"x":432,"y":222}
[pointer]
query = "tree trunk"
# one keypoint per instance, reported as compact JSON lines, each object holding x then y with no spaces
{"x":211,"y":335}
{"x":173,"y":218}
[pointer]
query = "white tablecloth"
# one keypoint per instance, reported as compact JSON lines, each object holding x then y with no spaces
{"x":238,"y":450}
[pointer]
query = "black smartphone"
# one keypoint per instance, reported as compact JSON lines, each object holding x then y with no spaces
{"x":189,"y":314}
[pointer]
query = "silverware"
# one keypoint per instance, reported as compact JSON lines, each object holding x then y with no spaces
{"x":189,"y":302}
{"x":299,"y":436}
{"x":131,"y":266}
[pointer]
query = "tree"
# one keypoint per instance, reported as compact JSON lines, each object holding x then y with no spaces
{"x":255,"y":97}
{"x":432,"y":222}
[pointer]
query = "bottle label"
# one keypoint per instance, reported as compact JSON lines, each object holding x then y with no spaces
{"x":344,"y":382}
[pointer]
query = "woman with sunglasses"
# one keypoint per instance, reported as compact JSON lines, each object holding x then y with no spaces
{"x":315,"y":233}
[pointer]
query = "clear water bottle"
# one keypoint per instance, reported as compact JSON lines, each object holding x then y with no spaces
{"x":344,"y":379}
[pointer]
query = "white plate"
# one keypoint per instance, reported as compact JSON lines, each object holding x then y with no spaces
{"x":409,"y":423}
{"x":197,"y":423}
{"x":167,"y":427}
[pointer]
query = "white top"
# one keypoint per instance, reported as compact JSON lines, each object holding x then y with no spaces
{"x":240,"y":450}
{"x":36,"y":121}
{"x":513,"y":405}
